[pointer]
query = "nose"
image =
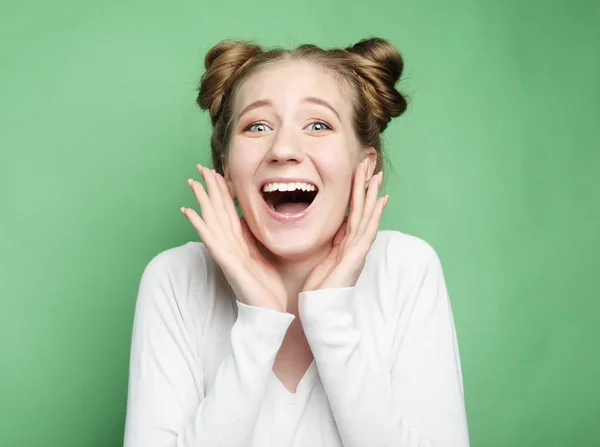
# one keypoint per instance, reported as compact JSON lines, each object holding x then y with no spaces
{"x":285,"y":148}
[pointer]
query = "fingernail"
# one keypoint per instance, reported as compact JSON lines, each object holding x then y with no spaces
{"x":190,"y":182}
{"x":182,"y":209}
{"x":380,"y":177}
{"x":387,"y":197}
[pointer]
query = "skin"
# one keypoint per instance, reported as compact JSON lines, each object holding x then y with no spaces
{"x":268,"y":262}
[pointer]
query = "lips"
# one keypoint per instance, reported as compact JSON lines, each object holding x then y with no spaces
{"x":288,"y":199}
{"x":289,"y":217}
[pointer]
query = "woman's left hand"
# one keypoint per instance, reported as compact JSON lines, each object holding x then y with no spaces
{"x":345,"y":261}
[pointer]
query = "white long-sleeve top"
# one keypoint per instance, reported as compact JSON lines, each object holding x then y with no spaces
{"x":386,"y":368}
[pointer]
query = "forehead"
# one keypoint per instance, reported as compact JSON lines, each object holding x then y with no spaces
{"x":287,"y":82}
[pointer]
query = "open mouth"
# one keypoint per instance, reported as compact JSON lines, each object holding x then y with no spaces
{"x":289,"y":198}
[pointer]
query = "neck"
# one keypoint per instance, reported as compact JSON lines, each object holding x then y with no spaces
{"x":294,"y":273}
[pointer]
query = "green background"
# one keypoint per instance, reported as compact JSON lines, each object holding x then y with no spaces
{"x":497,"y":165}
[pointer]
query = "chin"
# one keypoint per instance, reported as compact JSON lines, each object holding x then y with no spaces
{"x":293,"y":225}
{"x":293,"y":246}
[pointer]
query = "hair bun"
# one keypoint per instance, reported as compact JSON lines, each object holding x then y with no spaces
{"x":379,"y":66}
{"x":223,"y":63}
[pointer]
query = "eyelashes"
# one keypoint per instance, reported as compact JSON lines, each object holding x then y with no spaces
{"x":254,"y":124}
{"x":322,"y":123}
{"x":260,"y":123}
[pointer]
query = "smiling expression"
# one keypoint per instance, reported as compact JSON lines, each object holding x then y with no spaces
{"x":292,"y":156}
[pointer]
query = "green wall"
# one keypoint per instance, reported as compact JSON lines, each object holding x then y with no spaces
{"x":497,"y":165}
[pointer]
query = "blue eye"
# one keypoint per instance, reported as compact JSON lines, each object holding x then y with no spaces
{"x":320,"y":123}
{"x":253,"y":128}
{"x":262,"y":127}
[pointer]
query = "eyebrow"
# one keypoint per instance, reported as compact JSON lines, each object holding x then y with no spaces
{"x":268,"y":103}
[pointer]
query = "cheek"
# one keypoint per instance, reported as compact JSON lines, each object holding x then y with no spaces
{"x":243,"y":161}
{"x":334,"y":152}
{"x":336,"y":167}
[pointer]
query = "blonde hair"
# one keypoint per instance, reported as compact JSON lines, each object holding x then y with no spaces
{"x":370,"y":69}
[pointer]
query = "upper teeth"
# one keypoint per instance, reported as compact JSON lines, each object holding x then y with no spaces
{"x":288,"y":187}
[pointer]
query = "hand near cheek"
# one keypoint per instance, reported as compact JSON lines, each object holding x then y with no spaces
{"x":254,"y":280}
{"x":345,"y":261}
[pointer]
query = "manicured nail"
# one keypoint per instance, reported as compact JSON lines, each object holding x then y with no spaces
{"x":190,"y":182}
{"x":182,"y":209}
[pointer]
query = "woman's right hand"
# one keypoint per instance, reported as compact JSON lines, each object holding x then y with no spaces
{"x":254,"y":280}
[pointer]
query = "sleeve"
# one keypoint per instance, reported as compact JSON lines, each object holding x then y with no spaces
{"x":421,"y":403}
{"x":166,"y":404}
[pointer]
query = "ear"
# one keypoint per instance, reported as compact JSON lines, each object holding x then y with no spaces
{"x":371,"y":154}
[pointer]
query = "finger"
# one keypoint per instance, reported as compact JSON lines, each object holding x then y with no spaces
{"x":198,"y":224}
{"x":370,"y":202}
{"x":358,"y":197}
{"x":220,"y":253}
{"x":371,"y":231}
{"x":251,"y":243}
{"x":232,"y":215}
{"x":341,"y":233}
{"x":214,"y":192}
{"x":322,"y":270}
{"x":206,"y":208}
{"x":221,"y":221}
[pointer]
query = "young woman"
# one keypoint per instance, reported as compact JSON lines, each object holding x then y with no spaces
{"x":298,"y":324}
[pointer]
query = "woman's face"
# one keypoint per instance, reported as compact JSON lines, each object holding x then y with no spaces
{"x":292,"y":156}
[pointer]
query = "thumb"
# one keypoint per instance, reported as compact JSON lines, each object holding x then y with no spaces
{"x":250,"y":239}
{"x":341,"y":233}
